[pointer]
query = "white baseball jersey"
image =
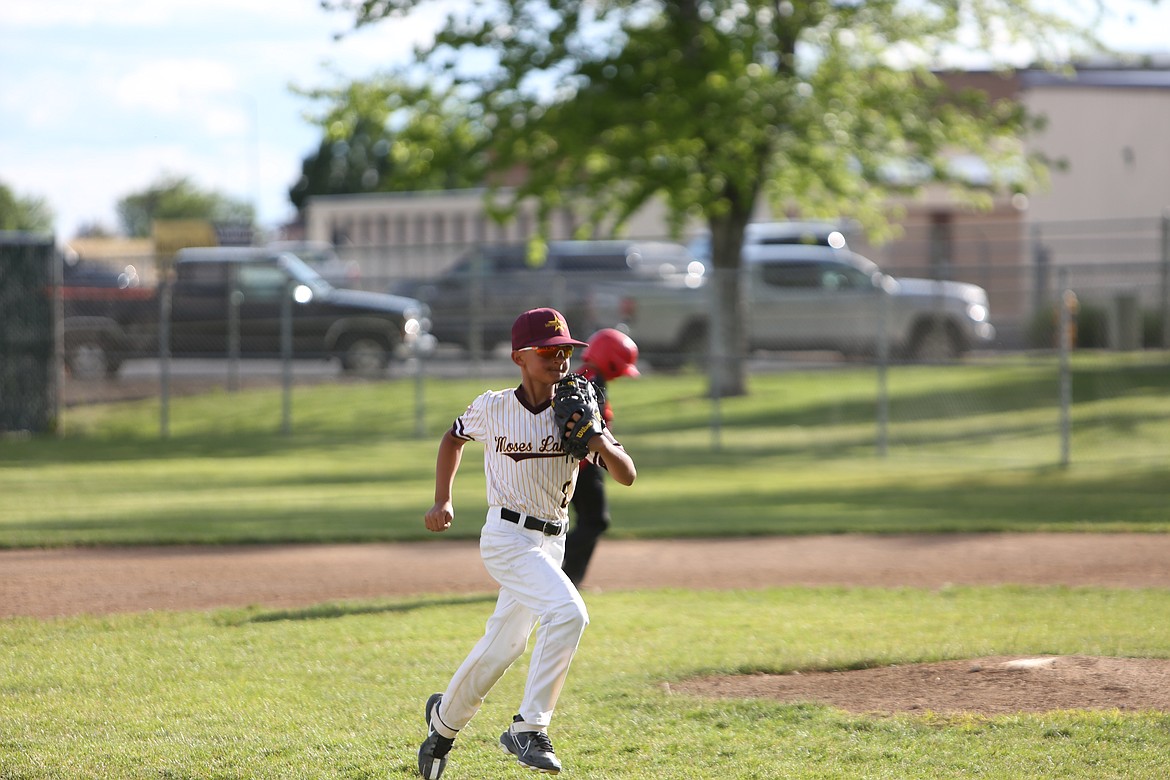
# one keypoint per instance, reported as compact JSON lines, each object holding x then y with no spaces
{"x":524,"y":459}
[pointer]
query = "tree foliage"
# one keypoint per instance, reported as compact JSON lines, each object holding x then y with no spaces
{"x":823,"y":107}
{"x":385,"y":135}
{"x":177,"y":197}
{"x":24,"y":212}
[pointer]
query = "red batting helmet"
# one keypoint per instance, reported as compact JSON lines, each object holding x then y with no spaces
{"x":613,"y":353}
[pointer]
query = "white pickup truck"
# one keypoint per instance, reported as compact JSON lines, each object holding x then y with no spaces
{"x":804,"y":297}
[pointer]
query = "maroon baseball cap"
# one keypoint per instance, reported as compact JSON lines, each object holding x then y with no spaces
{"x":542,"y":328}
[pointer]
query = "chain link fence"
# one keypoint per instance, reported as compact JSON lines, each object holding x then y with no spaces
{"x":1100,"y":289}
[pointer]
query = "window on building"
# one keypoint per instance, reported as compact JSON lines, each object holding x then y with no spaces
{"x":342,"y":233}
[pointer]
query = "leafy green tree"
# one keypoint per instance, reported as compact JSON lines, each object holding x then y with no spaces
{"x":385,"y":135}
{"x":715,"y":104}
{"x":177,"y":197}
{"x":25,"y":213}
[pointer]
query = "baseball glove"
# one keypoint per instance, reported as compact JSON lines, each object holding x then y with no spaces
{"x":578,"y":413}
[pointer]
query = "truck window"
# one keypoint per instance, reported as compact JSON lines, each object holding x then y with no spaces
{"x":792,"y":276}
{"x":510,"y":262}
{"x":593,"y":263}
{"x":209,"y":274}
{"x":490,"y":261}
{"x":262,"y":282}
{"x":836,"y":276}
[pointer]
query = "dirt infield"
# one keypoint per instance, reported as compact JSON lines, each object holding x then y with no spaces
{"x":55,"y":583}
{"x":47,"y":583}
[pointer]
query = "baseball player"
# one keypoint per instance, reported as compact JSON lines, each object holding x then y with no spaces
{"x":610,"y":354}
{"x":530,"y":481}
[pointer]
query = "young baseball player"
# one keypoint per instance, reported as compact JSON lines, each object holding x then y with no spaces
{"x":530,"y":481}
{"x":610,"y":354}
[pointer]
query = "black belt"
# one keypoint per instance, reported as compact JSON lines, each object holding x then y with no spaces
{"x":547,"y":527}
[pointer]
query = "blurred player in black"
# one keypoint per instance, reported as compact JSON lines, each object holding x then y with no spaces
{"x":610,"y":354}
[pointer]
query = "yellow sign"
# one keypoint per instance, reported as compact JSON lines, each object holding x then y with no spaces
{"x":171,"y":235}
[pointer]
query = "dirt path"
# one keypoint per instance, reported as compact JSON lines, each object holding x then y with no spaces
{"x":45,"y":583}
{"x":49,"y":583}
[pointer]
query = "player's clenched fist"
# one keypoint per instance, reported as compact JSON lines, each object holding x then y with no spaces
{"x":439,"y":517}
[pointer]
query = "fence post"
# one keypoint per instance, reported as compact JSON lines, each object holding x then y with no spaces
{"x":233,"y":323}
{"x":164,"y":359}
{"x":420,"y":394}
{"x":1165,"y":303}
{"x":475,"y":317}
{"x":1041,"y":269}
{"x":883,"y":364}
{"x":717,"y":363}
{"x":286,"y":356}
{"x":1064,"y":340}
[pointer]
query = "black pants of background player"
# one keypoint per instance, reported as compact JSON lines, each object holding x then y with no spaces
{"x":590,"y":521}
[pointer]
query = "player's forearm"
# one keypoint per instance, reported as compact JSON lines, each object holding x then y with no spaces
{"x":447,"y":466}
{"x":618,"y":462}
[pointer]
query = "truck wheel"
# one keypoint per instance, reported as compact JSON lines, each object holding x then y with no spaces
{"x":694,"y":345}
{"x":934,"y":342}
{"x":365,"y":356}
{"x":663,"y":361}
{"x":89,"y":359}
{"x":690,"y":350}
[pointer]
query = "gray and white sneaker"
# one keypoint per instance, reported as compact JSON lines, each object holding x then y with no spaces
{"x":532,"y":749}
{"x":432,"y":754}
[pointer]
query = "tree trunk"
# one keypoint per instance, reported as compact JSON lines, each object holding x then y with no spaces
{"x":727,"y":366}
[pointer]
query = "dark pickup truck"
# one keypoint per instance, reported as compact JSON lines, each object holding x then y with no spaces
{"x":229,"y":300}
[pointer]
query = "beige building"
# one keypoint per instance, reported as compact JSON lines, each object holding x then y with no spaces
{"x":1102,"y":227}
{"x":1112,"y":127}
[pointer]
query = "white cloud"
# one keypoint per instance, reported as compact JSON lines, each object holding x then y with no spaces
{"x":200,"y":93}
{"x":168,"y":86}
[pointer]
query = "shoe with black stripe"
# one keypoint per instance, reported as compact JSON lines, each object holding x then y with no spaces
{"x":432,"y":755}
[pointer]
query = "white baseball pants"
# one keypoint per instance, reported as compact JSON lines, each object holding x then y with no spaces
{"x":533,"y":589}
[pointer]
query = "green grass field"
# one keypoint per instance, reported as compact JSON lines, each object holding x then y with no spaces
{"x":972,"y":448}
{"x":336,"y":691}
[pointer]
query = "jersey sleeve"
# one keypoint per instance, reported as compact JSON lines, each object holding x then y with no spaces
{"x":472,"y":424}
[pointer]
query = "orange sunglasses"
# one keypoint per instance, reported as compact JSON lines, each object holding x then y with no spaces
{"x":549,"y":353}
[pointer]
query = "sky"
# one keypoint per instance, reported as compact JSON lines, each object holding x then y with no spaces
{"x":100,"y":100}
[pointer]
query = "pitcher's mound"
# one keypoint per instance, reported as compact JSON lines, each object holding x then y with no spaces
{"x":987,"y":686}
